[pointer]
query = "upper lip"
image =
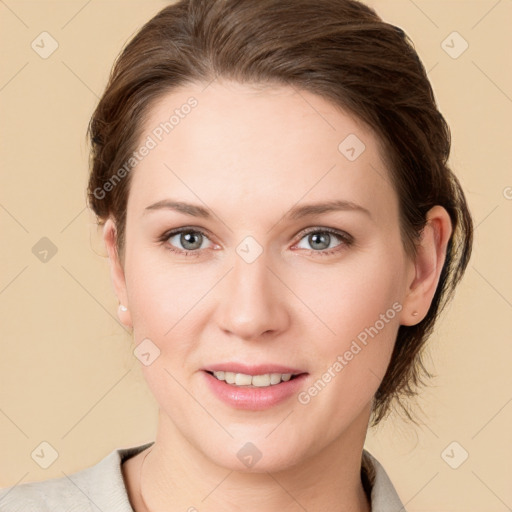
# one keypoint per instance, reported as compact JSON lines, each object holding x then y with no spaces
{"x":258,"y":369}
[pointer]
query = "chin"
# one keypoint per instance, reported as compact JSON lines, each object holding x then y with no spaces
{"x":257,"y":456}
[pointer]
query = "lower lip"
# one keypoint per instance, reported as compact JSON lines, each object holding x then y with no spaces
{"x":254,"y":398}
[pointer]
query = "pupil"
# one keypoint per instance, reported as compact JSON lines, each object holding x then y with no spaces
{"x":315,"y":237}
{"x":187,"y":237}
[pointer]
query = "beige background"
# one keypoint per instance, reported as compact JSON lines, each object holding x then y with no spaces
{"x":68,"y":375}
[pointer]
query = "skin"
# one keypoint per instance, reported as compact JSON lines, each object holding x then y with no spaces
{"x":250,"y":154}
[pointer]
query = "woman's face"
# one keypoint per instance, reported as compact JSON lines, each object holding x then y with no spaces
{"x":265,"y":283}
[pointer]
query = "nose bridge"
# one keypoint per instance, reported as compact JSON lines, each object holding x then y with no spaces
{"x":251,"y":304}
{"x":252,"y":276}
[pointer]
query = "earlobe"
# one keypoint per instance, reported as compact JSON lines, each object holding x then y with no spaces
{"x":116,"y":272}
{"x":428,"y":264}
{"x":124,"y":316}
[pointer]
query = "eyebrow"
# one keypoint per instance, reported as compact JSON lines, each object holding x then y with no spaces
{"x":295,"y":213}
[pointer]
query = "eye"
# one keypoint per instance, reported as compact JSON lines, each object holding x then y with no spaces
{"x":321,"y":240}
{"x":187,"y":241}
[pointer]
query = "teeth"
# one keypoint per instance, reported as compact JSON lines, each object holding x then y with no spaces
{"x":241,"y":379}
{"x":275,"y":378}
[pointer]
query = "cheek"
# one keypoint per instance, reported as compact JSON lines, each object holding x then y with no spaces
{"x":352,"y":296}
{"x":361,"y":307}
{"x":350,"y":369}
{"x":161,"y":293}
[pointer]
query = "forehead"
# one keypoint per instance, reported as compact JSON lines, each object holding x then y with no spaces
{"x":257,"y":149}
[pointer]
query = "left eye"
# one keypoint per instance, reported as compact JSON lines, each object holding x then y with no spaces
{"x":321,"y":240}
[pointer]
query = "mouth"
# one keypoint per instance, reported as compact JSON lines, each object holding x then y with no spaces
{"x":253,"y":387}
{"x":245,"y":380}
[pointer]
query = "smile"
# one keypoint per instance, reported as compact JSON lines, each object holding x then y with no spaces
{"x":245,"y":380}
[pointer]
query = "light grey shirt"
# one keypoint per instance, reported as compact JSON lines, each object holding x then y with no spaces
{"x":101,"y":488}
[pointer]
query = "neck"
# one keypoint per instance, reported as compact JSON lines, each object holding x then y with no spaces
{"x":176,"y":476}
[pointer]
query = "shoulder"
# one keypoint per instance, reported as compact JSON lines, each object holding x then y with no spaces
{"x":99,"y":486}
{"x":47,"y":495}
{"x":384,"y":497}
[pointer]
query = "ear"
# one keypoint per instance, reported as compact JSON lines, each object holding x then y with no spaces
{"x":427,"y":266}
{"x":117,"y":272}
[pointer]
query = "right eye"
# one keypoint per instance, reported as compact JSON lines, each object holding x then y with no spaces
{"x":186,"y":240}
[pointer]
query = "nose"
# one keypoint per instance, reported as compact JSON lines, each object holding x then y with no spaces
{"x":252,"y":304}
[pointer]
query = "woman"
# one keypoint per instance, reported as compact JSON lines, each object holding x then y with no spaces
{"x":233,"y":137}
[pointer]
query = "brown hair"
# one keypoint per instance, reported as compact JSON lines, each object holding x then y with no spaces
{"x":338,"y":49}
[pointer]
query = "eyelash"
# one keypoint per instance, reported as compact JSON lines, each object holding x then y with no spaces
{"x":345,"y":238}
